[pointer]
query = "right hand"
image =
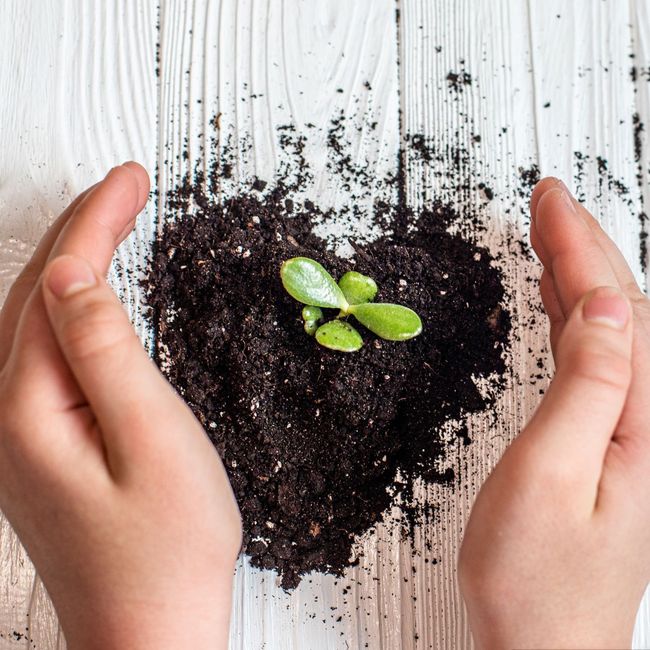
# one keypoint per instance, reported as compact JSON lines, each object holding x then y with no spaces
{"x":557,"y":549}
{"x":110,"y":482}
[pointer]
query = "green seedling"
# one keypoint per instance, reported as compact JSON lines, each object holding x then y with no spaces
{"x":358,"y":288}
{"x":309,"y":283}
{"x":390,"y":322}
{"x":311,"y":316}
{"x":339,"y":335}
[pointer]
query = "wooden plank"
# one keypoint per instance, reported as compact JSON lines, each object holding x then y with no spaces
{"x":78,"y":91}
{"x":548,"y":79}
{"x":293,"y":58}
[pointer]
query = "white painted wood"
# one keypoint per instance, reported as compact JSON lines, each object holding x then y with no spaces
{"x":79,"y":93}
{"x":522,"y":56}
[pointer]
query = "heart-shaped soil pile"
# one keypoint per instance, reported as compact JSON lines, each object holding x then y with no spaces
{"x":318,"y":443}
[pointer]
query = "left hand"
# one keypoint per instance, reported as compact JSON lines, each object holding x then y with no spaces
{"x":108,"y":479}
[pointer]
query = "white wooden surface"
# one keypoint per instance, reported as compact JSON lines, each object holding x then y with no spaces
{"x":79,"y":93}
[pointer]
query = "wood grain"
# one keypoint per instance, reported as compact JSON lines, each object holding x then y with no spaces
{"x":82,"y":89}
{"x":556,"y":78}
{"x":78,"y":89}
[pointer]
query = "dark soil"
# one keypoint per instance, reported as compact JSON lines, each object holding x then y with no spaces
{"x":314,"y":440}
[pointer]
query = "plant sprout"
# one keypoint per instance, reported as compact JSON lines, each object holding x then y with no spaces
{"x":309,"y":283}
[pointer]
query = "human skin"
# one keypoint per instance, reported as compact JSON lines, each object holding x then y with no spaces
{"x":110,"y":482}
{"x":557,"y":549}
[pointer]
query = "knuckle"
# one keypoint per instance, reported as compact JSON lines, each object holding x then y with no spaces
{"x":92,"y":330}
{"x":596,"y":363}
{"x":640,"y":303}
{"x":555,"y":477}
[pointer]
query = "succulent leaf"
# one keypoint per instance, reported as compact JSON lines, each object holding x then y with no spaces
{"x":308,"y":282}
{"x":390,"y":322}
{"x":339,"y":335}
{"x":358,"y":288}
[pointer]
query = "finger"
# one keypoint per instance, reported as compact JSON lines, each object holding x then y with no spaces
{"x":93,"y":233}
{"x":102,"y":220}
{"x":575,"y":259}
{"x":578,"y":416}
{"x":142,"y":179}
{"x":632,"y":434}
{"x":84,"y":204}
{"x":24,"y":283}
{"x":617,"y":261}
{"x":626,"y":279}
{"x":537,"y":245}
{"x":123,"y":387}
{"x":542,"y":186}
{"x":553,"y":309}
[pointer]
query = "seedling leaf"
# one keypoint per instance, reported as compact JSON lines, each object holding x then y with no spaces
{"x":390,"y":322}
{"x":309,"y":312}
{"x":339,"y":335}
{"x":358,"y":288}
{"x":308,"y":282}
{"x":311,"y":327}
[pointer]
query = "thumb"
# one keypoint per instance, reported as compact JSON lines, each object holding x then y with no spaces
{"x":577,"y":418}
{"x":114,"y":373}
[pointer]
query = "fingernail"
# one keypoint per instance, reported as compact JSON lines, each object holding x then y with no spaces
{"x":565,"y":195}
{"x":607,"y":306}
{"x":558,"y":193}
{"x":68,"y":275}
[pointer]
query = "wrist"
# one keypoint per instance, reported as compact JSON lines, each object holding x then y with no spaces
{"x":165,"y":633}
{"x":184,"y":621}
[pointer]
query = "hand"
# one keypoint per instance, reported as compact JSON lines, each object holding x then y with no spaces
{"x":557,"y":549}
{"x":110,"y":482}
